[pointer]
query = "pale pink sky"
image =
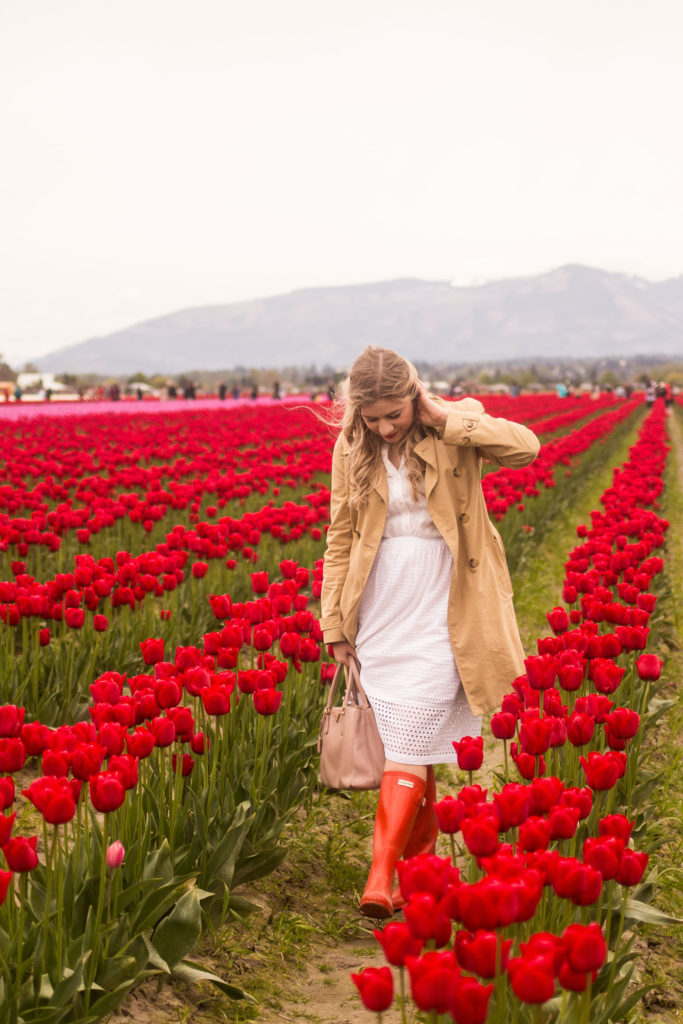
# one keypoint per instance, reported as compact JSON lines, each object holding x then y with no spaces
{"x":160,"y":154}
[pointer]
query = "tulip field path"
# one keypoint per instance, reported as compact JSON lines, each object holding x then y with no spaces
{"x":166,"y":851}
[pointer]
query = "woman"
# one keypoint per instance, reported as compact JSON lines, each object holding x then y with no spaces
{"x":416,"y":586}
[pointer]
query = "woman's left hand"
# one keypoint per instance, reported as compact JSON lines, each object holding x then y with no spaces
{"x":429,"y":412}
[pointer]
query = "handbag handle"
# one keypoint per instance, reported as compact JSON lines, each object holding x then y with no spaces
{"x":354,"y":691}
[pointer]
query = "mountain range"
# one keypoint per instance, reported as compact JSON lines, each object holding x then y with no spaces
{"x":573,"y":310}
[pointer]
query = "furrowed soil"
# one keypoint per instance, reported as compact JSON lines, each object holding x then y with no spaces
{"x":295,"y":955}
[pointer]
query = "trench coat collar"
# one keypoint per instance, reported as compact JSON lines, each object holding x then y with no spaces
{"x":426,"y":449}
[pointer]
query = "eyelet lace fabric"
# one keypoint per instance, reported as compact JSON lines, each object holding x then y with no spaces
{"x":407,"y":665}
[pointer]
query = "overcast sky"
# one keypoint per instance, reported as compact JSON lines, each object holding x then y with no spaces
{"x":159,"y":154}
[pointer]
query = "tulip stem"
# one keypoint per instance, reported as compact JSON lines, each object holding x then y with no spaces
{"x":93,"y":961}
{"x":402,"y":985}
{"x":23,"y":886}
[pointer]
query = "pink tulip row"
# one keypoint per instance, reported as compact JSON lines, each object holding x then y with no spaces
{"x":547,"y":862}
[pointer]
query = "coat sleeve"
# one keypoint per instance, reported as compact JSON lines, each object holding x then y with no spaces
{"x":337,"y":554}
{"x":502,"y":441}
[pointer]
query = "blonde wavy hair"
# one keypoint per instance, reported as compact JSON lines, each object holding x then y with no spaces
{"x":377,"y":373}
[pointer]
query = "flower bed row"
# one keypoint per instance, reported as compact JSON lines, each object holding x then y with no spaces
{"x":171,"y":794}
{"x":206,"y":767}
{"x":525,"y":921}
{"x":49,"y":614}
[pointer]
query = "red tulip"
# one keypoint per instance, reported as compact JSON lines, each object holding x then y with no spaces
{"x":53,"y":797}
{"x":6,"y":825}
{"x":470,"y":1002}
{"x":107,"y":791}
{"x":532,"y":978}
{"x":20,"y":853}
{"x":140,"y":743}
{"x":616,"y":825}
{"x":11,"y":720}
{"x":186,"y":765}
{"x":426,"y":919}
{"x":5,"y":879}
{"x":503,"y":725}
{"x":376,"y":988}
{"x":601,"y":770}
{"x":12,"y":754}
{"x":470,"y":752}
{"x":152,"y":650}
{"x":586,"y":947}
{"x":477,"y":952}
{"x":604,"y":854}
{"x":6,"y":793}
{"x":558,"y":620}
{"x":540,"y":671}
{"x":534,"y":834}
{"x":267,"y":701}
{"x":580,"y":729}
{"x":433,"y":979}
{"x":427,"y":873}
{"x":649,"y":667}
{"x":449,"y":814}
{"x":632,"y":867}
{"x":398,"y":942}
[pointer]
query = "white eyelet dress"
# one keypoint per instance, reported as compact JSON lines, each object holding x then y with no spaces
{"x":407,"y":665}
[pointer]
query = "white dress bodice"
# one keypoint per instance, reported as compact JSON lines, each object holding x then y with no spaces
{"x":405,"y":516}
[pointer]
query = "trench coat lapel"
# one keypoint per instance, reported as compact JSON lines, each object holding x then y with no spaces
{"x":426,"y":449}
{"x":380,"y":485}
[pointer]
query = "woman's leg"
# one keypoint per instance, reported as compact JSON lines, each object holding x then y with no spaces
{"x":400,"y":798}
{"x":414,"y":769}
{"x":425,"y":831}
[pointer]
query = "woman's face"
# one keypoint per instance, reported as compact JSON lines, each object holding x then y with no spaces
{"x":389,"y":418}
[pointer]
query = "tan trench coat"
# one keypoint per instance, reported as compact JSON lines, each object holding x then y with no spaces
{"x":481,"y":618}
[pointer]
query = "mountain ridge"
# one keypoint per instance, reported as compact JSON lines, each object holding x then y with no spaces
{"x":589,"y":311}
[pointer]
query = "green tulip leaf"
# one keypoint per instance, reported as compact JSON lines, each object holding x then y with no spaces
{"x":242,"y":907}
{"x":159,"y":863}
{"x":188,"y":971}
{"x":178,"y":933}
{"x":637,"y":911}
{"x":71,"y":983}
{"x":258,"y":865}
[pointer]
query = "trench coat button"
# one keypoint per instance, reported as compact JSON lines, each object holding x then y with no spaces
{"x":463,"y":518}
{"x":456,"y":471}
{"x":469,"y":424}
{"x":473,"y":563}
{"x":439,"y":434}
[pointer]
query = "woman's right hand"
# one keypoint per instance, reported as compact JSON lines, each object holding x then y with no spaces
{"x":343,"y":652}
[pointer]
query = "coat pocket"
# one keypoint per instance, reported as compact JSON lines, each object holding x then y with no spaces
{"x":500,"y":566}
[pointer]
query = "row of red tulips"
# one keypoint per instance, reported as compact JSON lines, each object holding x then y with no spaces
{"x":188,"y":814}
{"x":74,"y":475}
{"x":192,"y":768}
{"x":525,"y":921}
{"x":129,"y":579}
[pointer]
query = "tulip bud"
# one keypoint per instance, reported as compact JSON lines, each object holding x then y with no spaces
{"x":115,"y":854}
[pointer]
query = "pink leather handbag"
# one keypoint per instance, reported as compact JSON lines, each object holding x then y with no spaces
{"x":351,"y":750}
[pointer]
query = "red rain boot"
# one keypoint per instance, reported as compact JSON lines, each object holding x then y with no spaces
{"x":400,"y":798}
{"x":425,"y":832}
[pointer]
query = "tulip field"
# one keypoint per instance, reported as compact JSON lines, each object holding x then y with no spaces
{"x":161,"y":686}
